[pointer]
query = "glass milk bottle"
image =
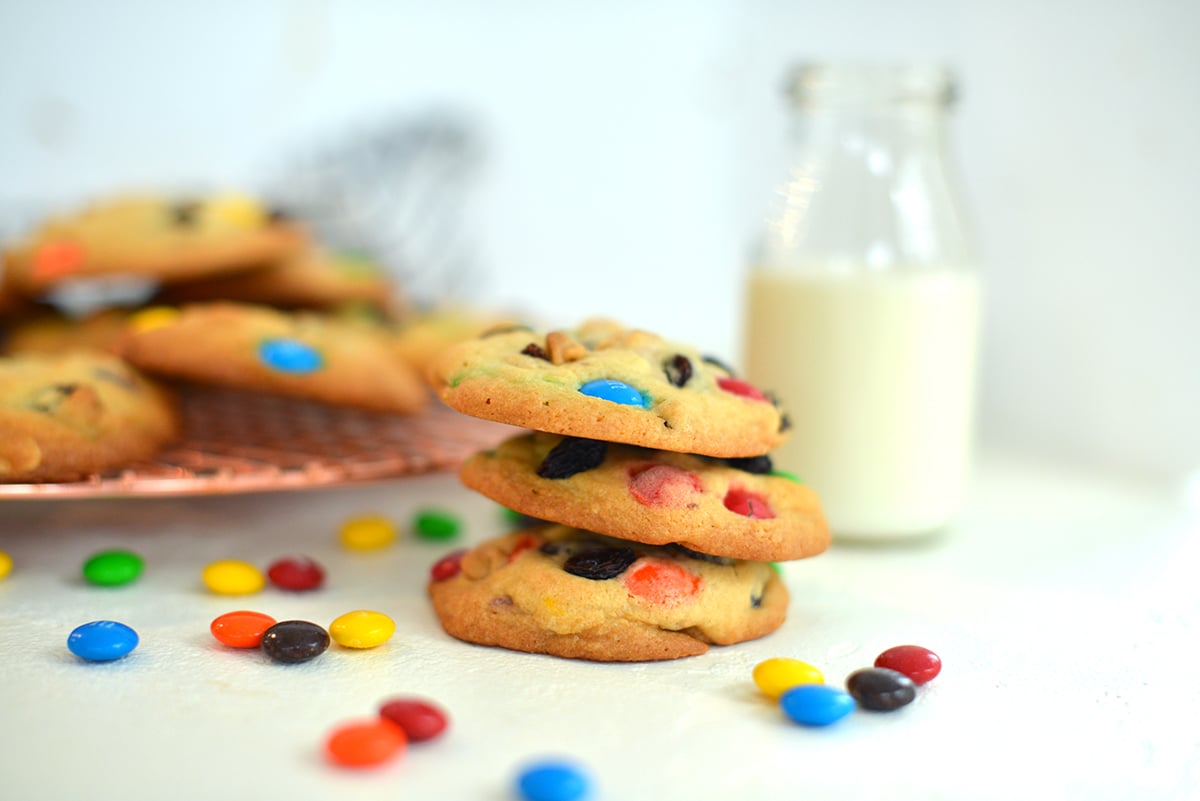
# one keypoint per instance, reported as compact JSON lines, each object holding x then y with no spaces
{"x":862,"y":301}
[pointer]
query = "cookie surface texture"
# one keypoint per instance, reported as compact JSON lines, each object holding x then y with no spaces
{"x":299,"y":354}
{"x":650,"y":496}
{"x":605,"y":382}
{"x":64,"y":417}
{"x":158,"y":238}
{"x":314,"y":279}
{"x":558,"y":590}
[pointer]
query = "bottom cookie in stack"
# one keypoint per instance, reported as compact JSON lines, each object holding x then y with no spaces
{"x":558,"y":590}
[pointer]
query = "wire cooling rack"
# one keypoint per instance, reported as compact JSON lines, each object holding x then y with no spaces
{"x":236,"y":441}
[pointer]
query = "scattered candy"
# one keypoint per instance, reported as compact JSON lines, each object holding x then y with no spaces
{"x":152,"y":317}
{"x":816,"y":704}
{"x":102,"y":641}
{"x":664,"y":485}
{"x":241,"y":629}
{"x":296,"y":573}
{"x":436,"y":524}
{"x":919,"y":664}
{"x":776,"y":676}
{"x":742,"y":388}
{"x":289,"y":356}
{"x":59,"y":258}
{"x":368,"y":533}
{"x":233,"y":577}
{"x":294,"y":641}
{"x":235,"y":211}
{"x":552,"y":781}
{"x":447,"y":567}
{"x":6,"y":564}
{"x":661,"y":582}
{"x":881,"y":689}
{"x":362,"y":628}
{"x":750,"y":504}
{"x":420,"y":719}
{"x":614,"y":391}
{"x":365,"y":743}
{"x":112,"y":568}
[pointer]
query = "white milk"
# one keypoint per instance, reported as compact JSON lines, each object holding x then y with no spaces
{"x":877,"y":374}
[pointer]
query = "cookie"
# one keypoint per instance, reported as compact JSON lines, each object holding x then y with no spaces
{"x":155,"y":238}
{"x":604,"y":382}
{"x":422,"y":336}
{"x":558,"y":590}
{"x":64,"y":417}
{"x":299,"y":354}
{"x":50,"y":333}
{"x":732,"y":507}
{"x":314,"y":279}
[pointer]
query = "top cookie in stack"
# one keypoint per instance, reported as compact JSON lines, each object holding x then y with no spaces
{"x":653,"y":461}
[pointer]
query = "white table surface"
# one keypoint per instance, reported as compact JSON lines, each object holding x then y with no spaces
{"x":1064,"y":607}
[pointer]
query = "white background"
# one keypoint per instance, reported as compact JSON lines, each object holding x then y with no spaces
{"x":630,"y":148}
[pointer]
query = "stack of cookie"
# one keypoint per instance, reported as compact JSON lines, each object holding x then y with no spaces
{"x":211,"y":290}
{"x":649,"y":464}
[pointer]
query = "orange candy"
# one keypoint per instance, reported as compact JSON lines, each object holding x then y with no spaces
{"x":364,"y":743}
{"x":658,"y":581}
{"x":57,"y":258}
{"x":241,"y":629}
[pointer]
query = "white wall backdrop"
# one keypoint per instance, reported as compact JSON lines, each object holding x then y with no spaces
{"x":628,"y":150}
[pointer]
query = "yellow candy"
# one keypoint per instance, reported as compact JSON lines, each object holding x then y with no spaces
{"x":5,"y":564}
{"x":362,"y":628}
{"x":236,"y":211}
{"x":233,"y":577}
{"x":152,"y":317}
{"x":776,"y":676}
{"x":368,"y":533}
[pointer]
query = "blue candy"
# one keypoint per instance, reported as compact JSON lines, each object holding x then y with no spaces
{"x":289,"y":356}
{"x":816,"y":704}
{"x":615,"y":391}
{"x":553,"y":781}
{"x":102,"y":641}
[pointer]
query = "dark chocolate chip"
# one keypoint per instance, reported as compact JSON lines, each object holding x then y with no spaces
{"x":682,"y":550}
{"x":678,"y":369}
{"x":715,"y":362}
{"x":756,"y":600}
{"x":550,"y":548}
{"x":785,"y":423}
{"x":536,"y":350}
{"x":759,"y":465}
{"x":600,"y":564}
{"x":572,"y":455}
{"x":278,"y":215}
{"x":184,"y":213}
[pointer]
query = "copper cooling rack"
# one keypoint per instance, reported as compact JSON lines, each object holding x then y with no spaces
{"x":236,"y":442}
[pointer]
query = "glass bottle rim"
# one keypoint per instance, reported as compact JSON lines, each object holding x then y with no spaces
{"x":812,"y":84}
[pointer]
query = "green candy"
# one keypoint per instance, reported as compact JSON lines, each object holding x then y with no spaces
{"x":112,"y":568}
{"x":787,"y":475}
{"x":437,"y":524}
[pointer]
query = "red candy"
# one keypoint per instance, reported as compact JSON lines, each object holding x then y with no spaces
{"x":660,"y":582}
{"x":919,"y":664}
{"x":241,"y":629}
{"x":750,"y":504}
{"x":296,"y":573}
{"x":57,"y":258}
{"x":364,"y":743}
{"x":447,"y":567}
{"x":743,"y":388}
{"x":420,"y":719}
{"x":664,"y":485}
{"x":522,"y":545}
